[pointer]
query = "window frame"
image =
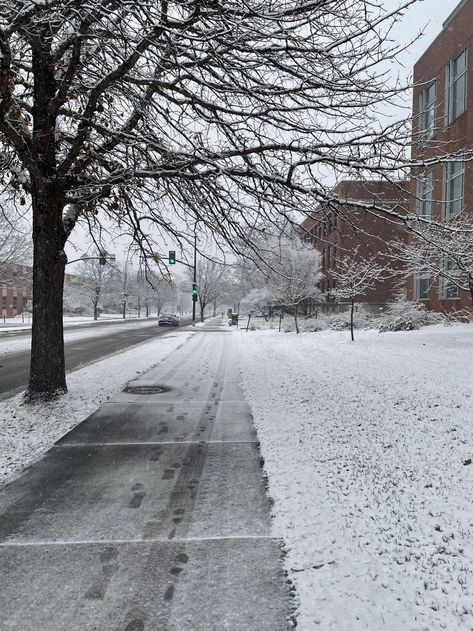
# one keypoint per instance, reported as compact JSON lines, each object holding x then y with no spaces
{"x":445,"y":282}
{"x":451,"y":82}
{"x":449,"y":179}
{"x":427,"y":112}
{"x":419,"y":278}
{"x":425,"y":186}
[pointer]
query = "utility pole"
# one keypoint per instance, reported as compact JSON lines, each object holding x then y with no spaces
{"x":194,"y":282}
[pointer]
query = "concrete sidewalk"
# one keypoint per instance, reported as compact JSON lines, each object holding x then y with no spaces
{"x":149,"y":516}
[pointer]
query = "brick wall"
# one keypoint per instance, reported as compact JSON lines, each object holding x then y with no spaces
{"x":15,"y":289}
{"x":359,"y":233}
{"x":448,"y":137}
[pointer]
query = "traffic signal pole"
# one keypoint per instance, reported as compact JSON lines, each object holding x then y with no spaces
{"x":172,"y":260}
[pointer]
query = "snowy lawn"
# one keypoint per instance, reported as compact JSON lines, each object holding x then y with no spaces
{"x":27,"y":431}
{"x":368,"y":449}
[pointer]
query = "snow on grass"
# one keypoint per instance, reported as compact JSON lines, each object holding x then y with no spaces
{"x":23,"y":343}
{"x":27,"y":431}
{"x":367,"y":446}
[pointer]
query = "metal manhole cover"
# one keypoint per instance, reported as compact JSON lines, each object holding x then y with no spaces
{"x":146,"y":389}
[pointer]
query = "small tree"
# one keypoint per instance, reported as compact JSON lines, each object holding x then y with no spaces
{"x":294,"y":276}
{"x":97,"y":279}
{"x":354,"y":277}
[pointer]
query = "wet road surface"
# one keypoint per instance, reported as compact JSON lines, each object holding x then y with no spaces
{"x":152,"y":515}
{"x":14,"y":367}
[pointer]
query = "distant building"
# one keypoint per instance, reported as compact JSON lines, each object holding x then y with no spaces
{"x":358,"y":233}
{"x":16,"y":289}
{"x":443,"y":124}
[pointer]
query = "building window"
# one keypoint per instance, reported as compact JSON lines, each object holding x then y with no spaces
{"x":422,"y":285}
{"x":449,"y":279}
{"x":454,"y":188}
{"x":4,"y":302}
{"x":425,"y":195}
{"x":456,"y":86}
{"x":427,"y":111}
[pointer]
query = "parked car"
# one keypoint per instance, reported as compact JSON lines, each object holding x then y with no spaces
{"x":168,"y":319}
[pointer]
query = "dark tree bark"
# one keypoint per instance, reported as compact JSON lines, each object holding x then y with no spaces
{"x":296,"y":309}
{"x":47,"y":367}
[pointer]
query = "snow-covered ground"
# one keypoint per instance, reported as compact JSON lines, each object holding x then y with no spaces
{"x":27,"y":431}
{"x":368,"y":449}
{"x":23,"y":343}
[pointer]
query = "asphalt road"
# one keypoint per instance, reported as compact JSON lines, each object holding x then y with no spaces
{"x":14,"y":367}
{"x":70,"y":326}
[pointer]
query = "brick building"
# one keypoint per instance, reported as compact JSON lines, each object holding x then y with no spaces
{"x":15,"y":289}
{"x":443,"y":124}
{"x":358,"y":233}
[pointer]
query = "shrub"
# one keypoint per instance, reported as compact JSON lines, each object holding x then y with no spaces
{"x":403,"y":315}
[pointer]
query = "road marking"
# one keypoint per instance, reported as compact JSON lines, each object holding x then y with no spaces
{"x":169,"y":442}
{"x":27,"y":544}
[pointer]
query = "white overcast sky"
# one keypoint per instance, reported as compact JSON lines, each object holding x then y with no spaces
{"x":425,"y":16}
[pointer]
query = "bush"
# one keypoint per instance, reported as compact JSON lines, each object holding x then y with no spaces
{"x":332,"y":321}
{"x":341,"y":321}
{"x":460,"y":315}
{"x":403,"y":315}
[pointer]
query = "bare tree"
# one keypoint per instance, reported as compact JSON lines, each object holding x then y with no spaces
{"x":354,"y":277}
{"x":211,"y":280}
{"x":294,"y":276}
{"x":97,"y":280}
{"x":165,"y":111}
{"x":15,"y":237}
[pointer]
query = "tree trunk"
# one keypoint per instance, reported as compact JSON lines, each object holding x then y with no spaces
{"x":124,"y":310}
{"x":47,"y":367}
{"x":248,"y":323}
{"x":95,"y":302}
{"x":296,"y":309}
{"x":202,"y":309}
{"x":470,"y":285}
{"x":352,"y":319}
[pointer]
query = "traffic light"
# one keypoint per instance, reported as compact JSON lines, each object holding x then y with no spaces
{"x":102,"y":259}
{"x":194,"y":292}
{"x":172,"y":257}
